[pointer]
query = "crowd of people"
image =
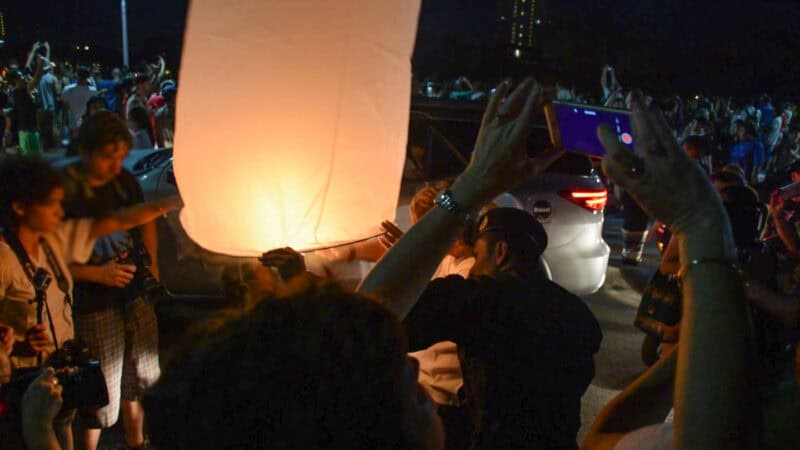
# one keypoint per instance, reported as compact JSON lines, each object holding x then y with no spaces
{"x":455,"y":339}
{"x":43,"y":103}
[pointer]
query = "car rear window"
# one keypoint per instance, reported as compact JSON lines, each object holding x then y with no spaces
{"x":447,"y":134}
{"x":573,"y":164}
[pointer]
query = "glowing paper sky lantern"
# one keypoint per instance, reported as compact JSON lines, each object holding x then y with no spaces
{"x":292,"y":120}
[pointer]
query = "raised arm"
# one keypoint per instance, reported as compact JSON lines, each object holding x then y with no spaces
{"x":614,"y":82}
{"x":499,"y":163}
{"x":134,"y":216}
{"x":671,"y":188}
{"x":31,"y":55}
{"x":604,"y":81}
{"x":160,"y":68}
{"x":37,"y":76}
{"x":644,"y":402}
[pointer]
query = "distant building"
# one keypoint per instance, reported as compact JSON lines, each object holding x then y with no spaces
{"x":2,"y":27}
{"x":517,"y":21}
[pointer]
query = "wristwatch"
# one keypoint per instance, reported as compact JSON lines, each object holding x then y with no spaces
{"x":445,"y":200}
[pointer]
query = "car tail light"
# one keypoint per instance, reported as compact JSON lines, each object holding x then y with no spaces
{"x":660,"y":239}
{"x":593,"y":200}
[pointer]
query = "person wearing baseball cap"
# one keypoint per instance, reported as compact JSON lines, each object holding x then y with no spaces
{"x":525,"y":344}
{"x":522,"y":238}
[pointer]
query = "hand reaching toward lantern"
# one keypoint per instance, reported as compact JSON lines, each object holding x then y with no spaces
{"x":288,"y":262}
{"x":392,"y":234}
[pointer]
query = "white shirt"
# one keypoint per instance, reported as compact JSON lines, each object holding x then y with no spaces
{"x":452,"y":266}
{"x":439,"y":368}
{"x":70,"y":243}
{"x":653,"y":437}
{"x":135,"y":101}
{"x":141,"y":140}
{"x":76,"y":96}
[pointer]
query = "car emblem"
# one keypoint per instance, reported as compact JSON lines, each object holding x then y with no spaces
{"x":542,"y":210}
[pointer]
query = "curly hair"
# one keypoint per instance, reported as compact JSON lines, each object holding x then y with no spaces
{"x":318,"y":368}
{"x":27,"y":181}
{"x":101,"y":129}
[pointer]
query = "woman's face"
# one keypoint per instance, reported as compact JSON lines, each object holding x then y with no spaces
{"x":43,"y":217}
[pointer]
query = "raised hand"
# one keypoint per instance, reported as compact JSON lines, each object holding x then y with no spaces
{"x":665,"y":182}
{"x":500,"y":161}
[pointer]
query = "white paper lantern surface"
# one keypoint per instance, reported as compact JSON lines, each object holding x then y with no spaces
{"x":292,"y":119}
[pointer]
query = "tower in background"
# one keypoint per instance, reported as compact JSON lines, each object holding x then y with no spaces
{"x":518,"y":21}
{"x":2,"y":27}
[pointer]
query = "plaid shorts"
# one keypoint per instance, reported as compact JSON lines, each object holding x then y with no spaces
{"x":125,"y":340}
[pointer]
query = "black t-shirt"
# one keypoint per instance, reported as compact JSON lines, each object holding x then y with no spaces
{"x":83,"y":201}
{"x":24,"y":110}
{"x":526,"y":348}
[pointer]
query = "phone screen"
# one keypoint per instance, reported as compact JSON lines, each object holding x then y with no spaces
{"x":577,"y":127}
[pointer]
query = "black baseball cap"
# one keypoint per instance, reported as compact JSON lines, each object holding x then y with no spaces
{"x":509,"y":220}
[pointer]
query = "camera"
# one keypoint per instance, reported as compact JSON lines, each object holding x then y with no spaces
{"x":145,"y":282}
{"x":82,"y":389}
{"x":41,"y":280}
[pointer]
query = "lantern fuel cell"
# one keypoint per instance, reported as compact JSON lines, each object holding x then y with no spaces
{"x":292,"y":121}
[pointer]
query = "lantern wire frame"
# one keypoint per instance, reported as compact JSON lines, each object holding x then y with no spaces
{"x":343,"y":244}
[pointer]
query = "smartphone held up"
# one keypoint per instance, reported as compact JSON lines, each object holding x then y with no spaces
{"x":573,"y":127}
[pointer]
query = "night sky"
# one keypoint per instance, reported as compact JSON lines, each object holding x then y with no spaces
{"x":732,"y":47}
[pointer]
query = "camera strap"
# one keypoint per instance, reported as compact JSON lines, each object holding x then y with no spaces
{"x":58,"y":273}
{"x":28,"y":267}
